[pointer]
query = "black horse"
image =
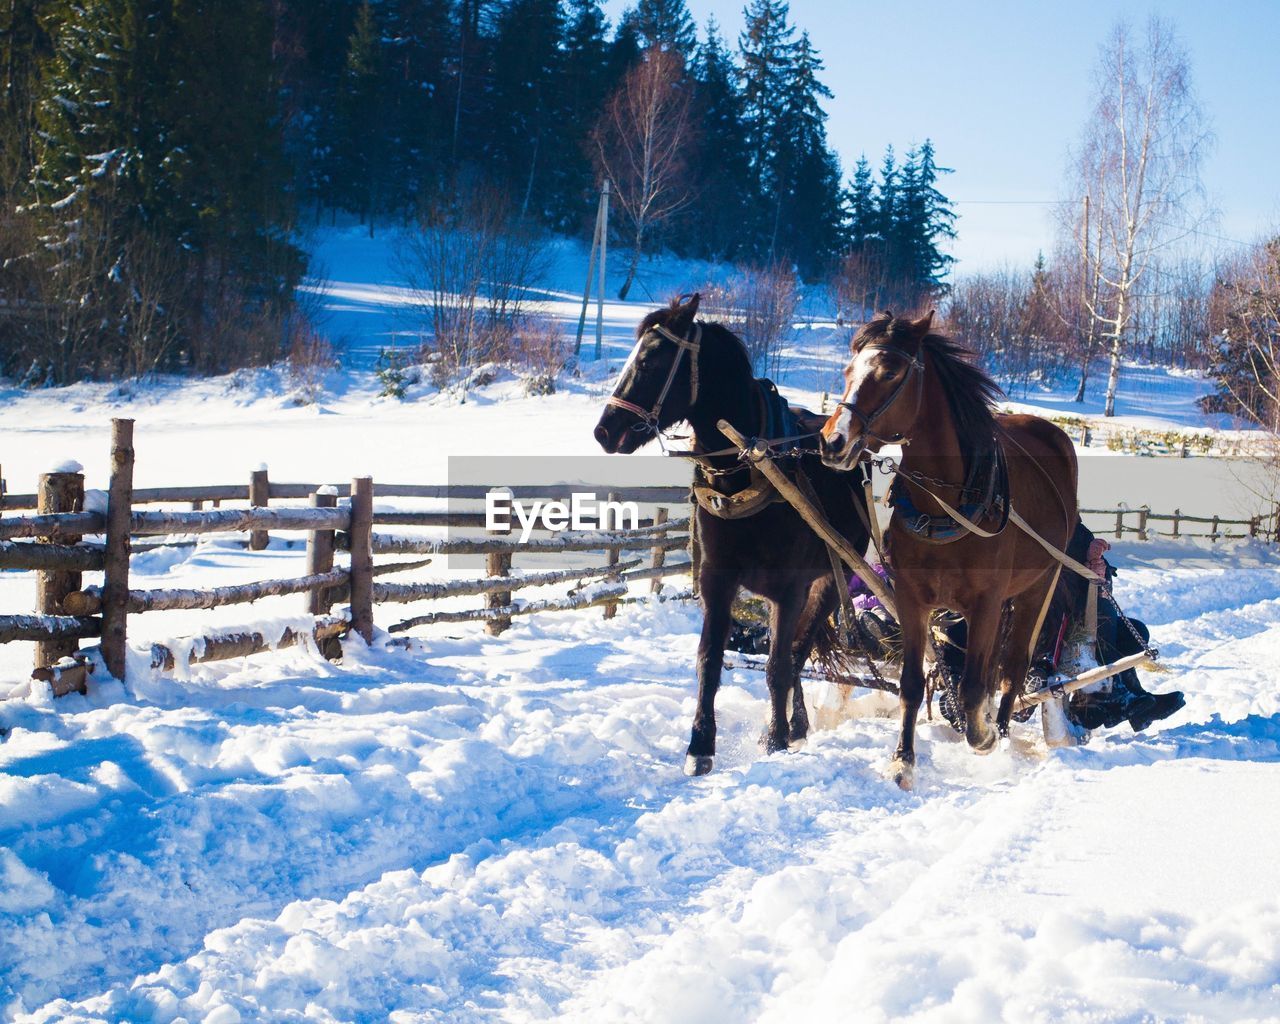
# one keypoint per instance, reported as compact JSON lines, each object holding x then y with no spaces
{"x":701,"y":373}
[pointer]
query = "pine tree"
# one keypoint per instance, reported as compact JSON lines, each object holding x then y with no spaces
{"x":765,"y":50}
{"x":24,"y":44}
{"x":419,"y":46}
{"x":862,"y":204}
{"x":808,"y":199}
{"x":360,"y":147}
{"x":721,"y":170}
{"x":887,"y":200}
{"x":160,"y":186}
{"x":584,"y":83}
{"x":524,"y":122}
{"x":665,"y":24}
{"x":925,"y":221}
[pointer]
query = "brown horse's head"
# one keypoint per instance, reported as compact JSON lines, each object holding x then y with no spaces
{"x":656,"y":386}
{"x":883,"y":385}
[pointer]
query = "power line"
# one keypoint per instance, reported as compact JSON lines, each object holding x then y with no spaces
{"x":1012,"y":202}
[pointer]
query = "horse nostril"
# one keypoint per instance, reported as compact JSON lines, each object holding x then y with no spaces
{"x":832,"y":444}
{"x":602,"y":437}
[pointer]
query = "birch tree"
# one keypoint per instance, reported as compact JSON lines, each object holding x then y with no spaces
{"x":641,"y":145}
{"x":1139,"y":163}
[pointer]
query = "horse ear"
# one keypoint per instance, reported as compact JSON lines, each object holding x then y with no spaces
{"x":683,"y":312}
{"x":922,"y":326}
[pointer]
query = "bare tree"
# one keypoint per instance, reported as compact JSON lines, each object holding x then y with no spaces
{"x":1244,"y":313}
{"x":758,"y":305}
{"x":1139,"y":162}
{"x":472,"y":267}
{"x":641,"y":144}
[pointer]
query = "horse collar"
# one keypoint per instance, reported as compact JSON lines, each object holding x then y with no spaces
{"x":941,"y":528}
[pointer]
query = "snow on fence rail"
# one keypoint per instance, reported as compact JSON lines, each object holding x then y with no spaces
{"x":51,"y":543}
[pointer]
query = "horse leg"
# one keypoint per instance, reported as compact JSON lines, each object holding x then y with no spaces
{"x":1016,"y":657}
{"x":780,"y":670}
{"x":717,"y":591}
{"x":818,"y":607}
{"x":984,"y":630}
{"x":914,"y":621}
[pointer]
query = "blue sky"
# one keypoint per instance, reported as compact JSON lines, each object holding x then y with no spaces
{"x":1003,"y":87}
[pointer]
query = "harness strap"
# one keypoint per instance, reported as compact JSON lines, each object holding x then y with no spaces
{"x":1017,"y":520}
{"x":649,"y":417}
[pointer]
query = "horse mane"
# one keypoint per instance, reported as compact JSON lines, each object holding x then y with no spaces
{"x":972,"y":393}
{"x":663,"y":316}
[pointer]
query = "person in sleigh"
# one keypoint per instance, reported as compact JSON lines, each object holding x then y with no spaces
{"x":1124,"y":699}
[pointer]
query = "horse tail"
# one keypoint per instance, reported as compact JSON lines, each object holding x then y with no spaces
{"x":844,"y":657}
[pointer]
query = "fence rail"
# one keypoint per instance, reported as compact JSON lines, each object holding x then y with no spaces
{"x":1115,"y":522}
{"x":53,"y":543}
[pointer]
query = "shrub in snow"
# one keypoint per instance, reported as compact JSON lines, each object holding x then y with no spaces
{"x":396,"y":372}
{"x":310,"y":358}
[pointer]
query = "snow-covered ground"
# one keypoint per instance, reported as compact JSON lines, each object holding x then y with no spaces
{"x":498,"y":828}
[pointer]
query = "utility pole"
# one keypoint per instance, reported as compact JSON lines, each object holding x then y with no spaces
{"x":599,"y":244}
{"x":604,"y":263}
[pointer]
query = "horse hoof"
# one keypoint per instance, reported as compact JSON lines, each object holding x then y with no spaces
{"x":697,"y":764}
{"x":983,"y":742}
{"x":797,"y":743}
{"x":904,"y":775}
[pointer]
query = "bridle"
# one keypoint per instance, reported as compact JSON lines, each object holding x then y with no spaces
{"x":915,"y":369}
{"x":692,"y":343}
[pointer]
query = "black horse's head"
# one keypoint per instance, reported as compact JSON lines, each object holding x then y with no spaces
{"x":659,"y":383}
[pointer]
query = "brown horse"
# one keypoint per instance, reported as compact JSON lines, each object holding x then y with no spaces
{"x":908,"y":385}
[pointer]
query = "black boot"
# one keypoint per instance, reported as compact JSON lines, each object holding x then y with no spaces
{"x":1161,"y":705}
{"x":1105,"y":710}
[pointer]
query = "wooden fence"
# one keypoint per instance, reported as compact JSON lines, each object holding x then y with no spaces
{"x":56,"y":540}
{"x":54,"y":543}
{"x":1122,"y":520}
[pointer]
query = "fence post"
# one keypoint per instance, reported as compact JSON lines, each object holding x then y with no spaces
{"x":259,"y":497}
{"x":320,"y":547}
{"x":115,"y":584}
{"x":59,"y":491}
{"x":362,"y":557}
{"x":1143,"y":512}
{"x":659,"y":553}
{"x":1275,"y":523}
{"x":612,"y":555}
{"x":1119,"y":522}
{"x":1213,"y":531}
{"x":1254,"y":522}
{"x":1177,"y":522}
{"x":498,"y":564}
